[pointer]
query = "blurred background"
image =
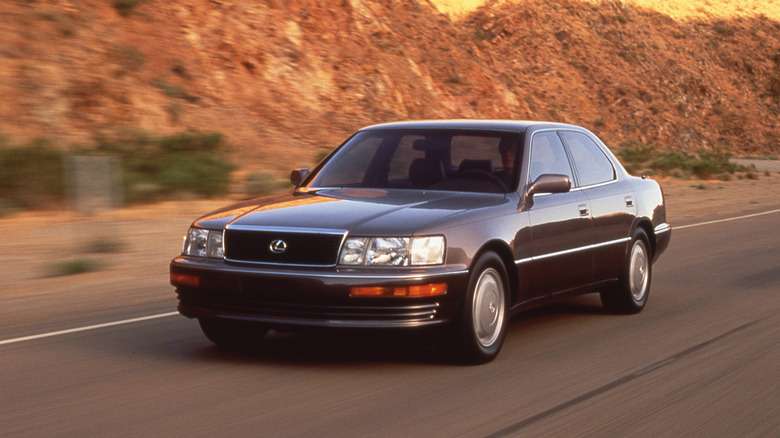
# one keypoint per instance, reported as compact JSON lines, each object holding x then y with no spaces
{"x":204,"y":98}
{"x":121,"y":121}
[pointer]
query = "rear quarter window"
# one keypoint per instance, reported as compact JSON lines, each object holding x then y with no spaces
{"x":593,"y":167}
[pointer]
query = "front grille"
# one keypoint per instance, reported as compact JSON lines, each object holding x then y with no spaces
{"x":304,"y":248}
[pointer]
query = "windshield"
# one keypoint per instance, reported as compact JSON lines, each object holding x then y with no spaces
{"x":471,"y":161}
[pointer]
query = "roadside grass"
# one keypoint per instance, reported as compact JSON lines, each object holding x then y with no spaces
{"x":645,"y":159}
{"x":153,"y":168}
{"x":159,"y":168}
{"x":104,"y":245}
{"x":31,"y":175}
{"x":73,"y":266}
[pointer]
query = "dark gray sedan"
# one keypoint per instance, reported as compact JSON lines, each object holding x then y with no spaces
{"x":448,"y":226}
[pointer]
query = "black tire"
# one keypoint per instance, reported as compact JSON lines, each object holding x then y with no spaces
{"x":482,"y":323}
{"x":630,"y":294}
{"x":233,"y":335}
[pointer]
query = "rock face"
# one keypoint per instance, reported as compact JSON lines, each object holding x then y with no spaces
{"x":284,"y":80}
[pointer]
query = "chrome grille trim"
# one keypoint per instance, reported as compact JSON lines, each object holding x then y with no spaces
{"x":250,"y":244}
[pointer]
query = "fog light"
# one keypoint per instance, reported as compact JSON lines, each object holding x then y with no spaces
{"x":425,"y":290}
{"x":178,"y":279}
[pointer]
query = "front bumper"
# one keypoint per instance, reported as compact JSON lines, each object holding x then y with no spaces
{"x":288,"y":298}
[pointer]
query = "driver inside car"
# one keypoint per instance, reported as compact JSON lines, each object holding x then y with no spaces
{"x":508,"y":151}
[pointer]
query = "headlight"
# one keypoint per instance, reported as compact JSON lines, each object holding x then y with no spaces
{"x":428,"y":250}
{"x":203,"y":243}
{"x":393,"y":251}
{"x":354,"y":251}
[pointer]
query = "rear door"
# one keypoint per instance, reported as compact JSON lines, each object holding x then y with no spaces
{"x":611,"y":203}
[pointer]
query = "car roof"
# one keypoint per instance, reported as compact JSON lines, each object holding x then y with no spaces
{"x":470,"y":124}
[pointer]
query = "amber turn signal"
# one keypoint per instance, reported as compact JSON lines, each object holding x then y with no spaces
{"x":425,"y":290}
{"x":179,"y":279}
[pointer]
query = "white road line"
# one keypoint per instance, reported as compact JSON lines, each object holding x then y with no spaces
{"x":165,"y":315}
{"x":726,"y":220}
{"x":91,"y":327}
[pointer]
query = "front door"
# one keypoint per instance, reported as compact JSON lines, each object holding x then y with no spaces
{"x":561,"y":224}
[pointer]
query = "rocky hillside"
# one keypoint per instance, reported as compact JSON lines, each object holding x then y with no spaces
{"x":284,"y":80}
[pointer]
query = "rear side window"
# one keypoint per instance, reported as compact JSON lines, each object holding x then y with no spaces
{"x":593,"y":167}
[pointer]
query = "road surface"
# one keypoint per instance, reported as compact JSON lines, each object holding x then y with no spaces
{"x":703,"y":359}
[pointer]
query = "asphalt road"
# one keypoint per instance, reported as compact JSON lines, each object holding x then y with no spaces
{"x":703,"y":359}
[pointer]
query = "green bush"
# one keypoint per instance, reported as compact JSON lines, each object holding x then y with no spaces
{"x":666,"y":161}
{"x":5,"y":208}
{"x":130,"y":58}
{"x":32,"y":175}
{"x":635,"y":153}
{"x":160,"y":167}
{"x":125,"y":7}
{"x":679,"y":164}
{"x":153,"y":168}
{"x":709,"y":164}
{"x":73,"y":267}
{"x":104,"y":245}
{"x":202,"y":174}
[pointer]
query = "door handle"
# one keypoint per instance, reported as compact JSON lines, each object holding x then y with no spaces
{"x":583,"y":208}
{"x":629,"y":201}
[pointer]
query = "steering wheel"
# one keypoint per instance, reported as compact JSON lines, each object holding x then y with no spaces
{"x":481,"y":174}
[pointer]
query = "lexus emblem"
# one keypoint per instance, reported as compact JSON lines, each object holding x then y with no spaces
{"x":278,"y":246}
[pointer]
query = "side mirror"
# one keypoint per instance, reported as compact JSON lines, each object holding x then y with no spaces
{"x":550,"y":183}
{"x":298,"y":175}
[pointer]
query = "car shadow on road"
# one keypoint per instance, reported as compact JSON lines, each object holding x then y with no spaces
{"x":333,"y":347}
{"x":345,"y":347}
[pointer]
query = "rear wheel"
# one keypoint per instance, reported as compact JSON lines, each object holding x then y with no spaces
{"x":233,"y":335}
{"x":630,"y":294}
{"x":481,"y":328}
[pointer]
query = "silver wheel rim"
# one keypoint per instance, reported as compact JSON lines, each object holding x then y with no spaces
{"x":488,"y":307}
{"x":639,"y":271}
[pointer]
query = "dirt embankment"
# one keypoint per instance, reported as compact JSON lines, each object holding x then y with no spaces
{"x":285,"y":79}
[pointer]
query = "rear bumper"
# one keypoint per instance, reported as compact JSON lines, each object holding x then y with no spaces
{"x":298,"y":298}
{"x":663,"y":235}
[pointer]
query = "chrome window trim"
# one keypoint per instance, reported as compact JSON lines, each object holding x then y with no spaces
{"x":593,"y":186}
{"x":570,"y":251}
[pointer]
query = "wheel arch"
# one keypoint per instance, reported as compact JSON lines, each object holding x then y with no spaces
{"x":647,"y":227}
{"x":504,"y":252}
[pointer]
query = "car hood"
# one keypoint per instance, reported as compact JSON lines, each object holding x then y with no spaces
{"x":359,"y":211}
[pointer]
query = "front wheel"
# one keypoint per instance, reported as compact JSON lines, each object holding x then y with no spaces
{"x":630,"y":294}
{"x":481,"y":327}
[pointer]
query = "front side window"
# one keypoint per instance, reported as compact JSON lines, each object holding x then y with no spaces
{"x":349,"y":170}
{"x":548,"y":156}
{"x":593,"y":167}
